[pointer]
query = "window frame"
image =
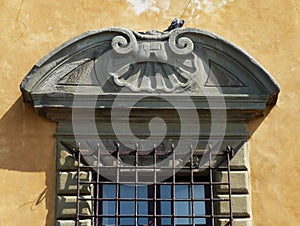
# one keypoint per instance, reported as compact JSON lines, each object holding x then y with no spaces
{"x":221,"y":164}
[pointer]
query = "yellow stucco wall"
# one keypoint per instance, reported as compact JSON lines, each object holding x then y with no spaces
{"x":268,"y":30}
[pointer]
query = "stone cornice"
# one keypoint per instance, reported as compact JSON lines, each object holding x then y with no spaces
{"x":99,"y":67}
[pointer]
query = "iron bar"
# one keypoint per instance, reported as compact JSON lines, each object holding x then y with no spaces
{"x":78,"y":186}
{"x":155,"y":215}
{"x":229,"y":155}
{"x":211,"y":188}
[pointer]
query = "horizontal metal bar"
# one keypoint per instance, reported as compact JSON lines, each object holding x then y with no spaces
{"x":151,"y":215}
{"x":151,"y":153}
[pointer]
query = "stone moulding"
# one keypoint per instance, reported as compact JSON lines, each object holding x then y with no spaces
{"x":106,"y":63}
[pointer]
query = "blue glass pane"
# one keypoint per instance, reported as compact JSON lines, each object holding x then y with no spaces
{"x":127,"y":221}
{"x":127,"y":207}
{"x":165,"y":191}
{"x":109,"y":207}
{"x":166,"y":221}
{"x":183,"y":221}
{"x":199,"y":208}
{"x":143,"y":207}
{"x":143,"y":221}
{"x":165,"y":207}
{"x":127,"y":191}
{"x":182,"y":191}
{"x":109,"y":190}
{"x":108,"y":221}
{"x":183,"y":208}
{"x":200,"y":221}
{"x":142,"y":191}
{"x":199,"y":191}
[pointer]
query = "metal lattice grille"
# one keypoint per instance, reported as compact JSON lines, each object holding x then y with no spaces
{"x":187,"y":197}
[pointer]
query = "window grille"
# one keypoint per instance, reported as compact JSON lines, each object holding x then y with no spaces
{"x":187,"y":197}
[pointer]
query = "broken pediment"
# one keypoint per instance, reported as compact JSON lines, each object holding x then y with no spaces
{"x":106,"y":63}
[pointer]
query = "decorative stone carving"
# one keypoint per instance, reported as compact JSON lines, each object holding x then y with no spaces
{"x":98,"y":65}
{"x":219,"y":76}
{"x":156,"y":64}
{"x":80,"y":75}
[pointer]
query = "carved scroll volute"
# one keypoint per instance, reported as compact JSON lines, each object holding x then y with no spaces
{"x":148,"y":63}
{"x":121,"y":45}
{"x":180,"y":45}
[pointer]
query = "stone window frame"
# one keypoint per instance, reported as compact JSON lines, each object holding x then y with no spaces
{"x":222,"y":71}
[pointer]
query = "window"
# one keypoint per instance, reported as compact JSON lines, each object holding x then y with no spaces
{"x":164,"y":203}
{"x":187,"y":197}
{"x":79,"y":83}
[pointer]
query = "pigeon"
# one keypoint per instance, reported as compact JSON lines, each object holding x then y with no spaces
{"x":176,"y":23}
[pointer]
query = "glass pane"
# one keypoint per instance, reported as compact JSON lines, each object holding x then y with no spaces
{"x":108,"y":221}
{"x":166,"y":221}
{"x":200,"y":221}
{"x":109,"y":190}
{"x":108,"y":207}
{"x":142,"y":207}
{"x":127,"y":207}
{"x":143,"y":221}
{"x":165,"y":207}
{"x":199,"y":191}
{"x":142,"y":191}
{"x":127,"y":191}
{"x":165,"y":191}
{"x":182,"y":191}
{"x":127,"y":221}
{"x":199,"y":208}
{"x":183,"y":208}
{"x":183,"y":221}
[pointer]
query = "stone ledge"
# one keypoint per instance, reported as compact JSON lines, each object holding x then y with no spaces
{"x":240,"y":160}
{"x":72,"y":223}
{"x":241,"y":206}
{"x":236,"y":222}
{"x":239,"y":182}
{"x":67,"y":183}
{"x":66,"y":207}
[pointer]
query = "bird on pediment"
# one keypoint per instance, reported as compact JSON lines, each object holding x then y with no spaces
{"x":176,"y":23}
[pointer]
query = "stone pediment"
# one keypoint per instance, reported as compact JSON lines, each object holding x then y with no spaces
{"x":105,"y":63}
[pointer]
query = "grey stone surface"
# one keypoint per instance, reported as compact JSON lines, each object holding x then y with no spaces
{"x":67,"y":183}
{"x":240,"y":160}
{"x":241,"y":206}
{"x":72,"y":223}
{"x":236,"y":222}
{"x":66,"y":207}
{"x":239,"y":182}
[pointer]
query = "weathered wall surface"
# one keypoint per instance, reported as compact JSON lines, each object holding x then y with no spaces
{"x":268,"y":30}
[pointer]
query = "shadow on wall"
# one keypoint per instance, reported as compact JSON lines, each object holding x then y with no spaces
{"x":27,"y":145}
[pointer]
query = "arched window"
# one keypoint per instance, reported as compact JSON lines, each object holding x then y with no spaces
{"x":151,"y":126}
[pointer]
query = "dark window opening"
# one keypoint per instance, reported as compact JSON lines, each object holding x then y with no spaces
{"x":187,"y":197}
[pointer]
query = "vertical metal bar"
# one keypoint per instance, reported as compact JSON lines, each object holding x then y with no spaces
{"x":155,"y":186}
{"x":77,"y":151}
{"x":97,"y":184}
{"x":173,"y":186}
{"x":192,"y":185}
{"x":117,"y":183}
{"x":229,"y":152}
{"x":136,"y":182}
{"x":211,"y":186}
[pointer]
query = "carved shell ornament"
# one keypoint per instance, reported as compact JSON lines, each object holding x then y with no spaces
{"x":164,"y":62}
